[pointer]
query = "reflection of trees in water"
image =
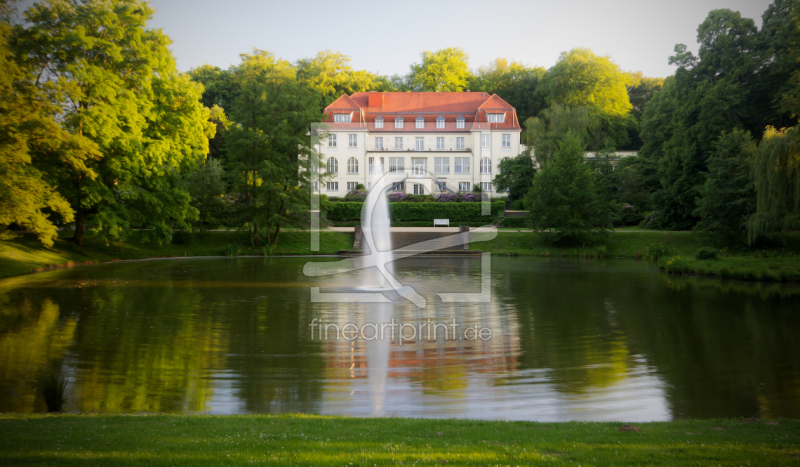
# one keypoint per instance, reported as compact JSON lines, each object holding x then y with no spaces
{"x":33,"y":340}
{"x":724,"y":349}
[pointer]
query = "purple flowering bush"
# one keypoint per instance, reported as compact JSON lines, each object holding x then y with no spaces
{"x":474,"y":197}
{"x":395,"y":197}
{"x":445,"y":197}
{"x":355,"y":195}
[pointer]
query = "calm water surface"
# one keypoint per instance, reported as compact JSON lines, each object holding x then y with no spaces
{"x":571,"y":340}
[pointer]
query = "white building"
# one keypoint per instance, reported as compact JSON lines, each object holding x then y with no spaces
{"x":457,"y":137}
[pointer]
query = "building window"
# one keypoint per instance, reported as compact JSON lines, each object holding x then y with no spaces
{"x":496,"y":118}
{"x":351,"y":186}
{"x":441,"y":186}
{"x":441,"y":165}
{"x":399,"y":186}
{"x":463,"y":186}
{"x":462,"y":165}
{"x":398,"y":142}
{"x":379,"y":142}
{"x":378,"y":122}
{"x":419,"y":189}
{"x":419,"y":166}
{"x":440,"y":122}
{"x":342,"y":118}
{"x":331,"y":141}
{"x":460,"y":142}
{"x":460,"y":122}
{"x":333,"y":186}
{"x":398,"y":122}
{"x":333,"y":165}
{"x":352,"y":165}
{"x":420,"y":122}
{"x":486,"y":186}
{"x":486,"y":165}
{"x":396,"y":164}
{"x":370,"y":164}
{"x":440,"y":142}
{"x":486,"y":141}
{"x":420,"y":144}
{"x":506,"y":141}
{"x":315,"y":186}
{"x":352,"y":140}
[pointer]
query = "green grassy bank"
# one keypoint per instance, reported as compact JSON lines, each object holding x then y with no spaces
{"x":318,"y":440}
{"x":783,"y":269}
{"x":25,"y":253}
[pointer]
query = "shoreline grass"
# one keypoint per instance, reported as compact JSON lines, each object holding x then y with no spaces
{"x":749,"y":268}
{"x":331,"y":440}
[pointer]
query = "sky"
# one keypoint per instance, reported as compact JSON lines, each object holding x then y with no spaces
{"x":386,"y":37}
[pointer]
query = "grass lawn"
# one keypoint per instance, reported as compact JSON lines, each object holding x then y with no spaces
{"x":319,"y":440}
{"x":21,"y":255}
{"x":776,"y":268}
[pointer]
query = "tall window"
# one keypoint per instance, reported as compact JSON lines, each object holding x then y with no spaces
{"x":463,"y":186}
{"x":486,"y":141}
{"x":333,"y":186}
{"x":460,"y":122}
{"x":440,"y":122}
{"x":351,"y":186}
{"x":370,"y":164}
{"x":341,"y":118}
{"x":506,"y":140}
{"x":331,"y":141}
{"x":333,"y":165}
{"x":460,"y":142}
{"x":440,"y":142}
{"x":420,"y":144}
{"x":372,"y":167}
{"x":496,"y":118}
{"x":352,"y":165}
{"x":441,"y":186}
{"x":441,"y":165}
{"x":399,"y":186}
{"x":379,"y":142}
{"x":378,"y":122}
{"x":419,"y":165}
{"x":486,"y":165}
{"x":396,"y":164}
{"x":419,"y":189}
{"x":420,"y":122}
{"x":352,"y":140}
{"x":398,"y":122}
{"x":486,"y":186}
{"x":462,"y":165}
{"x":398,"y":142}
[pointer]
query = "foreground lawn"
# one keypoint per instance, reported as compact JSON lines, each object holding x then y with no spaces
{"x":318,"y":440}
{"x":25,"y":253}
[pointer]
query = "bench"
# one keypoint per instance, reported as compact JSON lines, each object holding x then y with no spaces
{"x":444,"y":222}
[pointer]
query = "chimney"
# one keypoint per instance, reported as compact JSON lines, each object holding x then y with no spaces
{"x":375,"y":99}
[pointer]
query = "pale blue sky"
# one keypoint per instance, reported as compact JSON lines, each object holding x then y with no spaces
{"x":387,"y":36}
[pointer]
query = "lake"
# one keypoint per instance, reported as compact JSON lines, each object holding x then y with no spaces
{"x":569,"y":339}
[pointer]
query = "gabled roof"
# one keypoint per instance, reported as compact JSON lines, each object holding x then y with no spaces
{"x":495,"y":103}
{"x":344,"y":103}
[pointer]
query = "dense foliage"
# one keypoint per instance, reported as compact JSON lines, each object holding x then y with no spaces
{"x":410,"y":211}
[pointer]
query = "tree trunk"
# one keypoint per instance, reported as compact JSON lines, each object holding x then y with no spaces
{"x":275,"y":240}
{"x":80,"y":227}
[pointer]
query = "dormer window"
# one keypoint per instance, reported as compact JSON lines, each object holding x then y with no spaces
{"x":460,"y":122}
{"x":342,"y":118}
{"x":398,"y":122}
{"x":440,"y":122}
{"x":496,"y":118}
{"x":378,"y":122}
{"x":420,"y":122}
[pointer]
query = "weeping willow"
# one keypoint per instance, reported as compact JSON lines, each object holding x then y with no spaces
{"x":776,"y":173}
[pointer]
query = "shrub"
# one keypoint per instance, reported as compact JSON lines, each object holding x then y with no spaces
{"x":232,"y":250}
{"x":53,"y":388}
{"x":706,"y":253}
{"x":355,"y":195}
{"x":402,"y":212}
{"x":658,"y":251}
{"x":519,"y":222}
{"x":181,"y":237}
{"x":474,"y":197}
{"x":445,"y":197}
{"x":517,"y":205}
{"x":397,"y":197}
{"x":628,"y":215}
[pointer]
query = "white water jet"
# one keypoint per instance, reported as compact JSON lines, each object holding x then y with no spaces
{"x":376,"y":231}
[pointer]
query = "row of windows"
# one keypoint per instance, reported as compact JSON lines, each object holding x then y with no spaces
{"x":419,"y":166}
{"x":420,"y":121}
{"x":486,"y":141}
{"x":419,"y":189}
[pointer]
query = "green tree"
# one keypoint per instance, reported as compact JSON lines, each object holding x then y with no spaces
{"x":207,"y":187}
{"x":543,"y":134}
{"x":776,"y":177}
{"x":268,"y":148}
{"x":31,"y":138}
{"x":727,"y":199}
{"x":516,"y":176}
{"x":516,"y":83}
{"x":564,"y":199}
{"x":443,"y":70}
{"x":330,"y":74}
{"x":120,"y":89}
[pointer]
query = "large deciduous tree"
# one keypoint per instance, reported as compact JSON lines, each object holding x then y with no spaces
{"x":119,"y":89}
{"x":330,"y":73}
{"x":515,"y":177}
{"x":443,"y":70}
{"x":543,"y":134}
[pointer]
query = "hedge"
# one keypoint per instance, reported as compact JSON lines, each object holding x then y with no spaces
{"x":402,"y":212}
{"x":521,"y":222}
